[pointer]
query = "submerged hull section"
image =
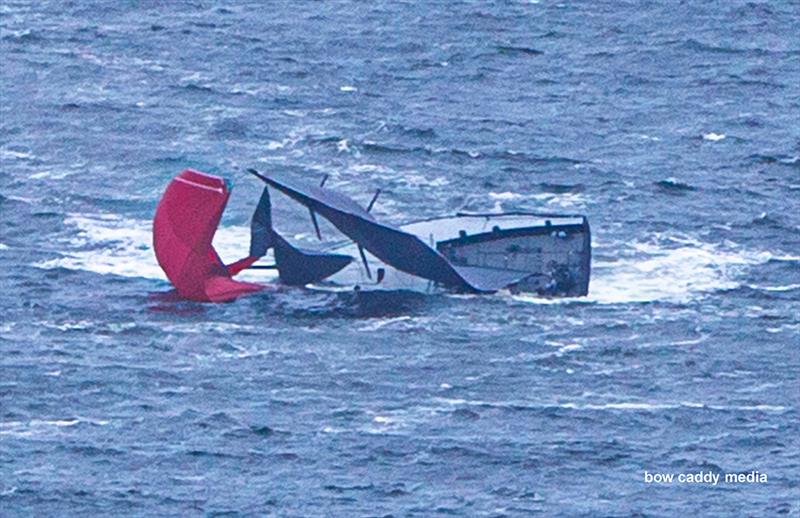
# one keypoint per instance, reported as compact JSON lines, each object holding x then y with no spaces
{"x":545,"y":254}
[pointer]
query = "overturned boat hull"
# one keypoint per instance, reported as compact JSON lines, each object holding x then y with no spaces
{"x":546,"y":254}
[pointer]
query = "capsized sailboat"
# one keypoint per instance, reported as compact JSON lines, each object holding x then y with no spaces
{"x":546,"y":254}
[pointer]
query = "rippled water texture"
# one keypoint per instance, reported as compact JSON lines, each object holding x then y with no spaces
{"x":674,"y":127}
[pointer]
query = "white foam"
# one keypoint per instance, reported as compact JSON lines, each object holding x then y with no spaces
{"x":50,"y":175}
{"x":381,"y":323}
{"x":109,"y":244}
{"x":12,"y":154}
{"x":568,"y":200}
{"x":56,"y":422}
{"x":788,"y":287}
{"x":669,"y":267}
{"x":417,"y":180}
{"x":44,"y":426}
{"x":408,"y":177}
{"x":674,"y":268}
{"x":713,"y":137}
{"x":348,"y":88}
{"x":504,"y":196}
{"x":657,"y":271}
{"x":373,"y":168}
{"x":613,"y":405}
{"x":206,"y":328}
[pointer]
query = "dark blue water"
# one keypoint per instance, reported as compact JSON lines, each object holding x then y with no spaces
{"x":674,"y":127}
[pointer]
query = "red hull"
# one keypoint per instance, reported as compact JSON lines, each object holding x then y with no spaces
{"x":183,"y":229}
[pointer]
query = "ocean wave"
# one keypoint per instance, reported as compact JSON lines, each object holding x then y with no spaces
{"x":521,"y":51}
{"x":370,"y":146}
{"x":110,"y":244}
{"x":699,"y":46}
{"x":714,"y":137}
{"x":13,"y":154}
{"x":670,"y":268}
{"x":569,"y":200}
{"x":674,"y":186}
{"x":786,"y":287}
{"x":560,"y":188}
{"x":633,"y":406}
{"x":788,"y":160}
{"x":23,"y":36}
{"x":37,"y":427}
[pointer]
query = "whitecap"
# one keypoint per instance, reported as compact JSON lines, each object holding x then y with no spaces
{"x":567,"y":348}
{"x":207,"y":327}
{"x":629,"y":406}
{"x":560,"y":200}
{"x":418,"y":180}
{"x":648,"y":271}
{"x":788,"y":287}
{"x":504,"y":195}
{"x":54,"y":422}
{"x":348,"y":88}
{"x":563,"y":200}
{"x":614,"y":405}
{"x":792,"y":328}
{"x":373,"y":168}
{"x":713,"y":137}
{"x":49,"y":175}
{"x":19,"y":155}
{"x":374,"y":326}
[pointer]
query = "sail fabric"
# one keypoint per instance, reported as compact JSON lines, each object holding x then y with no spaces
{"x":395,"y":247}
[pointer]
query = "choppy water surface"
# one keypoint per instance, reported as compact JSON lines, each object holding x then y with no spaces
{"x":674,"y":127}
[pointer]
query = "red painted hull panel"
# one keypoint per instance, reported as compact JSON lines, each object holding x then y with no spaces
{"x":183,"y":229}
